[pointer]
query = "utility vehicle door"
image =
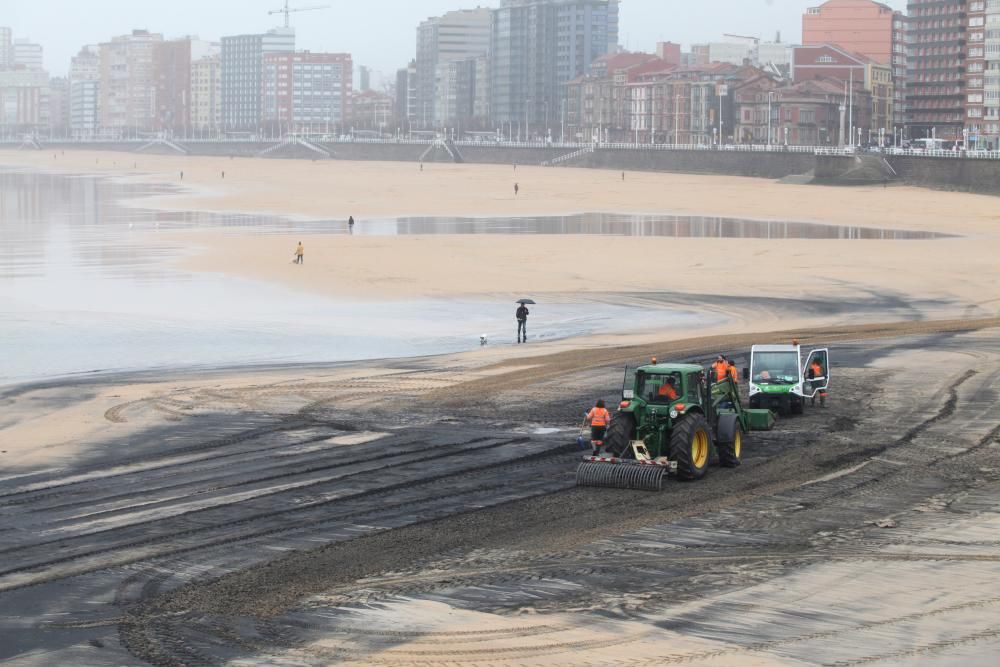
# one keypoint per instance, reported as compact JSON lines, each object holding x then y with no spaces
{"x":816,"y":373}
{"x":628,"y":384}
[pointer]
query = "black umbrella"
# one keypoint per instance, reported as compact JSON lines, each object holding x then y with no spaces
{"x":525,"y":301}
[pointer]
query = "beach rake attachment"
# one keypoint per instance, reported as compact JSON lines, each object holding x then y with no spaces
{"x":615,"y":473}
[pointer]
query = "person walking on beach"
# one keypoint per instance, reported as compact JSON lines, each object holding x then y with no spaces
{"x":350,"y":221}
{"x":522,"y":323}
{"x":300,"y":252}
{"x":598,"y":418}
{"x":517,"y":188}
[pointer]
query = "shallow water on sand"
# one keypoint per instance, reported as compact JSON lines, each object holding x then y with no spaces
{"x":83,"y":291}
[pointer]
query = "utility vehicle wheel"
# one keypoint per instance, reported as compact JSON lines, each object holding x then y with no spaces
{"x":691,"y":446}
{"x":620,"y":434}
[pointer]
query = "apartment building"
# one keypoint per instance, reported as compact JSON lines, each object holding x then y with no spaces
{"x":242,"y":62}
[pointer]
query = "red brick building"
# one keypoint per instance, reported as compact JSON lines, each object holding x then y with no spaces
{"x":598,"y":104}
{"x":803,"y":114}
{"x":871,"y":29}
{"x":872,"y":83}
{"x":861,"y":26}
{"x":172,"y":81}
{"x":307,"y":92}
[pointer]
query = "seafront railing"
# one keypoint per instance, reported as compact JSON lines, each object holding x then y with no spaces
{"x":41,"y":143}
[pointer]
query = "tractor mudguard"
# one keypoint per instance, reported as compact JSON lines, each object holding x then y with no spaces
{"x":725,"y":431}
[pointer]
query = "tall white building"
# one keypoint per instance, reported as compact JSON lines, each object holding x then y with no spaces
{"x":456,"y":36}
{"x":537,"y":47}
{"x":242,"y":61}
{"x":6,"y":47}
{"x":24,"y":100}
{"x":128,"y":82}
{"x":206,"y":90}
{"x":739,"y":50}
{"x":84,"y":92}
{"x":27,"y":54}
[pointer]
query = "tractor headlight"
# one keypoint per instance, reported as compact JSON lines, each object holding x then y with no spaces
{"x":754,"y":389}
{"x":673,"y":414}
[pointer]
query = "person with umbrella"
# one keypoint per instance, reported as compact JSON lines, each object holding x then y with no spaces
{"x":522,"y":319}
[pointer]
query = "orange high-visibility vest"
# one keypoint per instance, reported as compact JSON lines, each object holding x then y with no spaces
{"x":668,"y":391}
{"x":816,"y":369}
{"x":720,"y":371}
{"x":734,"y":374}
{"x":599,"y":417}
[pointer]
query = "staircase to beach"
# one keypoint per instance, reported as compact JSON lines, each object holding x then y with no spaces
{"x":568,"y":157}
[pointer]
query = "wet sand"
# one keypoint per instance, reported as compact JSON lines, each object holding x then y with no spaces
{"x":191,"y":517}
{"x":939,"y":278}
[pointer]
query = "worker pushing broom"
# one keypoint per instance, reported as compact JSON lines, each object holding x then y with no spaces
{"x":598,"y":418}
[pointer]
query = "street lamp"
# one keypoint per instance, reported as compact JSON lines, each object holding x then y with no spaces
{"x":527,"y":126}
{"x":770,"y":96}
{"x":677,"y":118}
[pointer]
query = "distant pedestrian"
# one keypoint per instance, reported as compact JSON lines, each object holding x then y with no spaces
{"x":421,"y":166}
{"x":300,"y":252}
{"x":350,"y":222}
{"x":515,"y":167}
{"x":517,"y":189}
{"x":223,"y":175}
{"x":623,"y":176}
{"x":522,"y":323}
{"x":182,"y":175}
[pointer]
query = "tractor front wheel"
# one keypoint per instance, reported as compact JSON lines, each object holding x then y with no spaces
{"x":731,"y":453}
{"x":620,"y":434}
{"x":691,"y":446}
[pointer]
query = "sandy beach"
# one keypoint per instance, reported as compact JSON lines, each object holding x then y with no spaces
{"x":940,"y":278}
{"x":423,"y":509}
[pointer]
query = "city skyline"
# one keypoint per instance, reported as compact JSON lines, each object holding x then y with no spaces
{"x":643,"y":23}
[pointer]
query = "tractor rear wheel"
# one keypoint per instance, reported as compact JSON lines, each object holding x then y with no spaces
{"x":620,"y":434}
{"x":691,"y":446}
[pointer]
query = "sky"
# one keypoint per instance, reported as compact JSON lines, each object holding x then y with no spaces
{"x":378,"y":33}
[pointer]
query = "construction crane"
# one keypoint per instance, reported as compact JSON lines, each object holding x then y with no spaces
{"x":288,"y":11}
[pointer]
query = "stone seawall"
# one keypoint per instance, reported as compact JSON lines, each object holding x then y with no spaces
{"x":962,"y":174}
{"x":942,"y":173}
{"x":726,"y":163}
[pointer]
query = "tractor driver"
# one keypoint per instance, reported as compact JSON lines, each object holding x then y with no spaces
{"x":668,"y":390}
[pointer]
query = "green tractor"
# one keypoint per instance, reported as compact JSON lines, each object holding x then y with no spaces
{"x":671,"y":420}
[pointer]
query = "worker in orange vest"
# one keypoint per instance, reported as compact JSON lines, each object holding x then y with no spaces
{"x":733,"y":373}
{"x":599,"y":419}
{"x":720,"y":369}
{"x":817,"y":379}
{"x":667,"y":390}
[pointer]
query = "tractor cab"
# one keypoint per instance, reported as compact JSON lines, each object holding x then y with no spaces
{"x":663,"y":385}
